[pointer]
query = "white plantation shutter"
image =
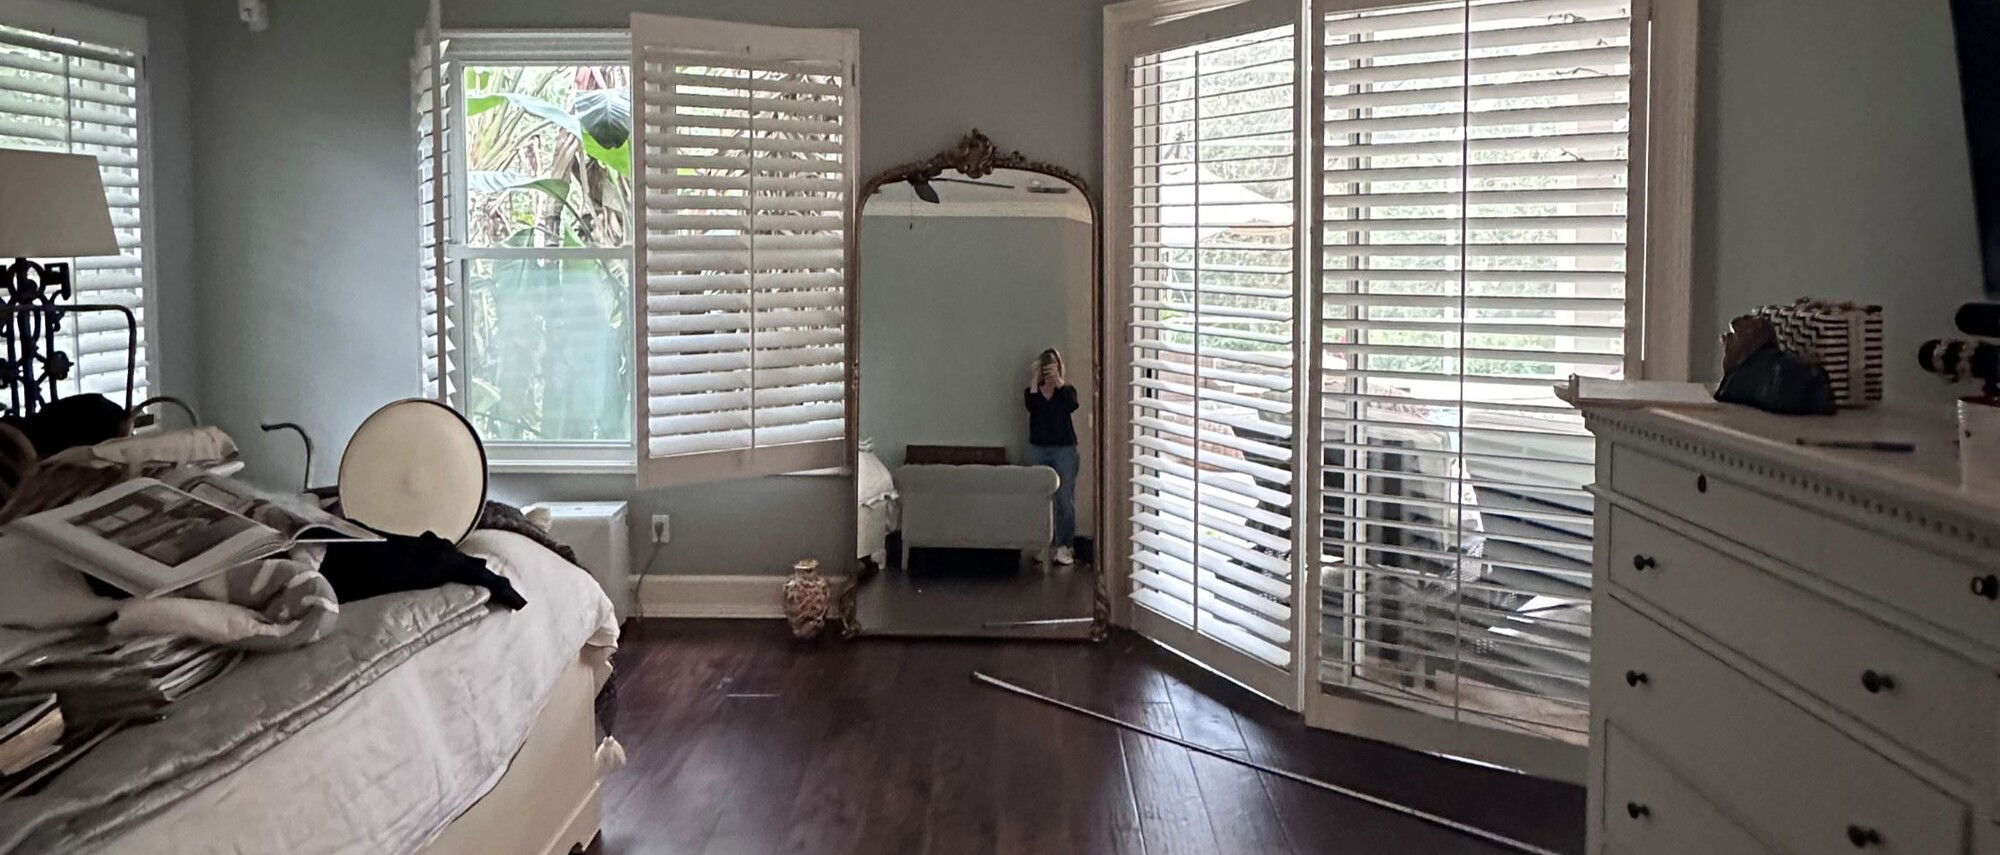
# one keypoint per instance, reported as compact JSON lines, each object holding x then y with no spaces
{"x":72,"y":79}
{"x":746,"y":152}
{"x":1213,"y":356}
{"x":433,"y":75}
{"x":1474,"y":187}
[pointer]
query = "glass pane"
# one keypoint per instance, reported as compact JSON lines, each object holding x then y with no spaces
{"x":1473,"y":233}
{"x":53,"y":101}
{"x":549,"y":349}
{"x":548,"y":155}
{"x":1213,"y":210}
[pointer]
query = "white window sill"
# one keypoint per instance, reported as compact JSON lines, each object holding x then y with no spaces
{"x":511,"y":458}
{"x":557,"y":461}
{"x":562,"y":467}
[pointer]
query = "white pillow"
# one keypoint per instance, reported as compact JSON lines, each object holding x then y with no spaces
{"x":193,"y":446}
{"x":872,"y":481}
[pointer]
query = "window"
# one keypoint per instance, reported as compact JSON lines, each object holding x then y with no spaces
{"x":1474,"y":164}
{"x":672,"y":289}
{"x":1348,"y":483}
{"x":72,"y":79}
{"x":747,"y":144}
{"x":1213,"y":297}
{"x":527,"y":208}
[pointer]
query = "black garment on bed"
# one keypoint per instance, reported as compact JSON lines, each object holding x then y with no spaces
{"x":69,"y":422}
{"x":399,"y":563}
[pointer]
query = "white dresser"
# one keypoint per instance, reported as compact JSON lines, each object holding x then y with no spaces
{"x":1795,"y":649}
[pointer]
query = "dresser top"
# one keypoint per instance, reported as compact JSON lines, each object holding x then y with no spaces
{"x":1928,"y":476}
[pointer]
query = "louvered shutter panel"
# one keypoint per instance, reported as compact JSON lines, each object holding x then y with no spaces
{"x":432,"y":78}
{"x":1213,"y":357}
{"x":71,"y":95}
{"x":746,"y":152}
{"x":1474,"y":187}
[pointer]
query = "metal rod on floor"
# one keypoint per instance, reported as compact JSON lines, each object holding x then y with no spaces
{"x":1001,"y":624}
{"x":1377,"y":801}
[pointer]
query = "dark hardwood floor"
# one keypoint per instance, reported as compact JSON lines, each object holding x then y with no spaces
{"x":977,"y":592}
{"x":741,"y":741}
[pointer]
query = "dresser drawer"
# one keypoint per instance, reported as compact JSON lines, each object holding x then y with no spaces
{"x":1719,"y":505}
{"x":1916,"y":693}
{"x":1648,"y":810}
{"x":1944,"y":591}
{"x":1789,"y":778}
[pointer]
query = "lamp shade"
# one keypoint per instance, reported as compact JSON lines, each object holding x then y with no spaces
{"x":54,"y":206}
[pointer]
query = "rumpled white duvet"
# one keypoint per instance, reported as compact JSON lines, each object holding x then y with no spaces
{"x":392,"y":765}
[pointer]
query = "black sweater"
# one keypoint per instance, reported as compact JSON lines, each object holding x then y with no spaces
{"x":1048,"y":417}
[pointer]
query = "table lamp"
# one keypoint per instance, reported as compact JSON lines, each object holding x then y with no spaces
{"x":55,"y":209}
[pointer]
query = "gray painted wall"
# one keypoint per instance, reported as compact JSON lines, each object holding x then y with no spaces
{"x":954,"y":309}
{"x":307,"y":256}
{"x":1832,"y":162}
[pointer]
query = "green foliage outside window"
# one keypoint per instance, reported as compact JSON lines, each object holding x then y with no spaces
{"x":548,"y":334}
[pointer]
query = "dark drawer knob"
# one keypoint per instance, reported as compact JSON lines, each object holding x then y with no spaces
{"x":1636,"y":810}
{"x":1986,"y":586}
{"x":1634,"y":678}
{"x":1642,"y":563}
{"x":1877,"y":682}
{"x":1701,"y":483}
{"x":1863,"y":837}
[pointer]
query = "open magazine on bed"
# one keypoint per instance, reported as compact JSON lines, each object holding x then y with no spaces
{"x":149,"y":536}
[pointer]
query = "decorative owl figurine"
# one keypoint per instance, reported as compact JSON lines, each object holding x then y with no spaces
{"x":806,"y":599}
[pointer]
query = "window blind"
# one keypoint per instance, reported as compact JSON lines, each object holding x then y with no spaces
{"x":1473,"y":190}
{"x":59,"y":93}
{"x":1213,"y":355}
{"x":746,"y":153}
{"x":433,"y":73}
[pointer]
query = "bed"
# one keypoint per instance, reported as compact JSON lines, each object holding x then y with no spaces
{"x":424,"y":748}
{"x":482,"y":741}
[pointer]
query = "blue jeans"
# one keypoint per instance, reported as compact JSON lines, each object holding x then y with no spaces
{"x":1061,"y":458}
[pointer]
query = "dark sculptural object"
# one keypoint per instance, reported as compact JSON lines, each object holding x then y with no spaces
{"x":1758,"y":373}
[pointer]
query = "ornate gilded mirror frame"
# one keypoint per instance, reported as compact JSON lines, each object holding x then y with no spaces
{"x":975,"y":156}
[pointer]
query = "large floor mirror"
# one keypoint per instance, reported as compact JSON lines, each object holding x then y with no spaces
{"x":976,"y":465}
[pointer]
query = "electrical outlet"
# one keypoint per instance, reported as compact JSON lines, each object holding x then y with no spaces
{"x":662,"y":532}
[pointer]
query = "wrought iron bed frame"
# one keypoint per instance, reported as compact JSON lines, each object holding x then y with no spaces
{"x":35,"y":366}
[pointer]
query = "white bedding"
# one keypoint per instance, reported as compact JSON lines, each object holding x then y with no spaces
{"x":873,"y":523}
{"x":390,"y":767}
{"x":877,"y":510}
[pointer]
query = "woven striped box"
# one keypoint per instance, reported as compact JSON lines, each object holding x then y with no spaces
{"x":1842,"y":337}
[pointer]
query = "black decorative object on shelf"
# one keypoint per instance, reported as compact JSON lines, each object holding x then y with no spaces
{"x":1757,"y":372}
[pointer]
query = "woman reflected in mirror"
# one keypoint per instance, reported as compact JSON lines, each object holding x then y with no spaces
{"x":1052,"y":442}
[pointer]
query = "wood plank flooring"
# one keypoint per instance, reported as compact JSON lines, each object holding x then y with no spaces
{"x":742,"y":741}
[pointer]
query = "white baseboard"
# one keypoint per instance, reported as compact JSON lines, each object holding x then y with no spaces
{"x":683,"y":596}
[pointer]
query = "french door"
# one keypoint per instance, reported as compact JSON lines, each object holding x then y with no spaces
{"x":1473,"y":161}
{"x":1358,"y":250}
{"x":1206,"y":142}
